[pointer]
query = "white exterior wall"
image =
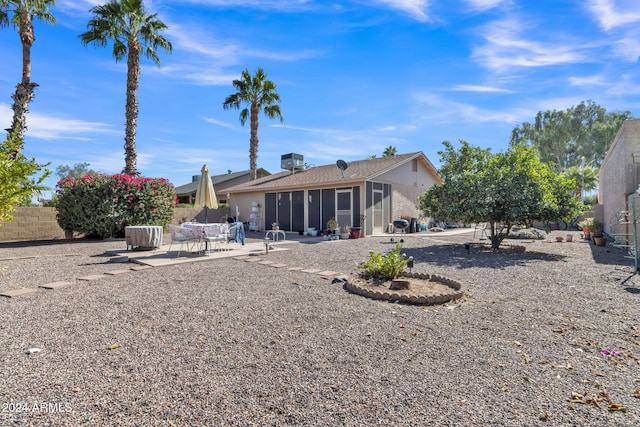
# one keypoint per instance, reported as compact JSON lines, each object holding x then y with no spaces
{"x":407,"y":185}
{"x":618,"y":174}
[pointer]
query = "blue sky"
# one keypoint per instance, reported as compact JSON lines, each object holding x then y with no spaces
{"x":355,"y":76}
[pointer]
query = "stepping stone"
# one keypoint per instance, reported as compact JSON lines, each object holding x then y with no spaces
{"x":312,"y":270}
{"x":266,"y":262}
{"x":120,"y":259}
{"x":278,"y":265}
{"x":329,"y":273}
{"x":294,"y":268}
{"x":253,"y":259}
{"x":55,"y":285}
{"x":18,"y":292}
{"x":116,"y":272}
{"x":9,"y":259}
{"x":91,"y":277}
{"x":141,"y":267}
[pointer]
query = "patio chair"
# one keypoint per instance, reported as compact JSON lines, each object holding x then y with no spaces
{"x":214,"y":236}
{"x":482,"y":228}
{"x":182,"y":235}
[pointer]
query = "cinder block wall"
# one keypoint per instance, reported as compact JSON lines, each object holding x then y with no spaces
{"x":31,"y":224}
{"x":36,"y":223}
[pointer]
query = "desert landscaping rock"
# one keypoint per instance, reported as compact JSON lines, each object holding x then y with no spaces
{"x":548,"y":337}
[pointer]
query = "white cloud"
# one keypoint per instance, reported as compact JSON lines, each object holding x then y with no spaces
{"x":628,"y":48}
{"x":416,"y":8}
{"x":50,"y":127}
{"x":476,"y":88}
{"x":484,"y":4}
{"x":505,"y":48}
{"x":587,"y":81}
{"x":218,"y":122}
{"x":614,"y":13}
{"x":442,"y":110}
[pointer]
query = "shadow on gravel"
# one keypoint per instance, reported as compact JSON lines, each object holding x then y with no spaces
{"x":457,"y":256}
{"x":39,"y":243}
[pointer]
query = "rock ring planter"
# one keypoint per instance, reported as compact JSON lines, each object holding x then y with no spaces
{"x":445,"y":291}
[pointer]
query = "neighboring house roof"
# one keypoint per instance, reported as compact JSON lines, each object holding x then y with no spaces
{"x":218,"y":180}
{"x":330,"y":175}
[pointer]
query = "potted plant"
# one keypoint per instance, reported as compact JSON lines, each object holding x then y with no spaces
{"x":594,"y":227}
{"x":333,"y":226}
{"x":275,"y":226}
{"x":345,"y":232}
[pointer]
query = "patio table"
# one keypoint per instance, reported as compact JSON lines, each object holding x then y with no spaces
{"x":143,"y":236}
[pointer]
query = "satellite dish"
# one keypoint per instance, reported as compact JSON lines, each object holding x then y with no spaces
{"x":342,"y":165}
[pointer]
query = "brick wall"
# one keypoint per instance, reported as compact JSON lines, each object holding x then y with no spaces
{"x":36,"y":223}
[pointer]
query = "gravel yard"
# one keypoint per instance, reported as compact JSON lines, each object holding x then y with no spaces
{"x":549,"y":337}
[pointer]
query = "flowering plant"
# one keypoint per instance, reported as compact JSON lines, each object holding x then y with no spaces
{"x":102,"y":205}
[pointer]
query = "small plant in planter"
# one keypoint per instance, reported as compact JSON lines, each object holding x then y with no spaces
{"x":275,"y":226}
{"x":385,"y":267}
{"x":345,"y":232}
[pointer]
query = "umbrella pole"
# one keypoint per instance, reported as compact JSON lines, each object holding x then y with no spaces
{"x":205,"y":214}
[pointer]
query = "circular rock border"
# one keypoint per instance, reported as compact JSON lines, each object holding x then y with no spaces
{"x":390,"y":295}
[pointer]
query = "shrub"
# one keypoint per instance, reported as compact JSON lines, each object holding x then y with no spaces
{"x":102,"y":205}
{"x":385,"y":267}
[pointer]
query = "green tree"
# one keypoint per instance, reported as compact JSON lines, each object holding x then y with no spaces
{"x":501,"y":189}
{"x":20,"y":14}
{"x":133,"y":32}
{"x":566,"y":137}
{"x":16,"y":181}
{"x":389,"y":151}
{"x":78,"y":170}
{"x":586,"y":178}
{"x":258,"y":95}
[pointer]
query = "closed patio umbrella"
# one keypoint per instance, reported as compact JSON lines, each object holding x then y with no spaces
{"x":205,"y":196}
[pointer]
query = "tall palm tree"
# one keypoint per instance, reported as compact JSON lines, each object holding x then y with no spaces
{"x":259,"y":95}
{"x":133,"y":32}
{"x":20,"y":14}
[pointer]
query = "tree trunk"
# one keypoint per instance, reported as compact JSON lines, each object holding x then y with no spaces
{"x":131,"y":109}
{"x":25,"y":89}
{"x":253,"y":141}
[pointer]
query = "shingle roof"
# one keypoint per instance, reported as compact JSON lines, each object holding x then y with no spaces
{"x":330,"y":175}
{"x":216,"y":179}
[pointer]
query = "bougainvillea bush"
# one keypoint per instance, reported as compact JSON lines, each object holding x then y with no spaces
{"x":99,"y":205}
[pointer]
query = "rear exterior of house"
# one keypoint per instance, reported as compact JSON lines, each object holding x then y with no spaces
{"x":619,"y":179}
{"x":368,"y":193}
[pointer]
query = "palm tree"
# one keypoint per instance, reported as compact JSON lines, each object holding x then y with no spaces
{"x":389,"y":151}
{"x":133,"y":32}
{"x":24,"y":11}
{"x":259,"y":94}
{"x":586,"y":178}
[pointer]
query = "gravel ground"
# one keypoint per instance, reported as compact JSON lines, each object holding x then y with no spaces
{"x":234,"y":343}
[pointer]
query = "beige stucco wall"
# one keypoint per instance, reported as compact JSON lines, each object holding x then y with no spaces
{"x":407,"y":185}
{"x":618,"y":175}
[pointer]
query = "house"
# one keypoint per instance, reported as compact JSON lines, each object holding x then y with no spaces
{"x":619,"y":177}
{"x":365,"y":193}
{"x":187,"y":193}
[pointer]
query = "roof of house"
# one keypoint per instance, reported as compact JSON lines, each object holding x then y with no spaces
{"x":216,"y":180}
{"x":330,"y":175}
